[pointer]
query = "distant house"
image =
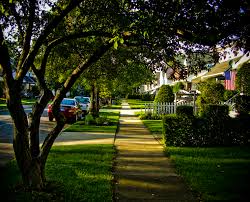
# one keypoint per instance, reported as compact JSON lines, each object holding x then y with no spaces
{"x":218,"y":70}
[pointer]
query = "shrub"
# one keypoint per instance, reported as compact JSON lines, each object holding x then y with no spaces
{"x":147,"y":97}
{"x":213,"y":111}
{"x":177,"y":130}
{"x":101,"y":121}
{"x":134,"y":96}
{"x":211,"y":93}
{"x":150,"y":116}
{"x":243,"y":79}
{"x":184,"y":110}
{"x":165,"y":94}
{"x":242,"y":105}
{"x":229,"y":94}
{"x":89,"y":120}
{"x":215,"y":128}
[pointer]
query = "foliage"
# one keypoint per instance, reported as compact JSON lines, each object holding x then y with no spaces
{"x":242,"y":105}
{"x":150,"y":116}
{"x":212,"y":111}
{"x":211,"y":172}
{"x":178,"y":131}
{"x":113,"y":120}
{"x":178,"y":86}
{"x":184,"y":110}
{"x":165,"y":94}
{"x":72,"y":37}
{"x":243,"y":79}
{"x":89,"y":120}
{"x":101,"y":121}
{"x":147,"y":97}
{"x":229,"y":94}
{"x":211,"y":93}
{"x":215,"y":128}
{"x":133,"y":96}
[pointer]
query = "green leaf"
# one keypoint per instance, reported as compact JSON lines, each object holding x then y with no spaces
{"x":115,"y":45}
{"x":10,"y":1}
{"x":121,"y":40}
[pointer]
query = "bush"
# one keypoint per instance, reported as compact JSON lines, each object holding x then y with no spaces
{"x":184,"y":110}
{"x":213,"y":111}
{"x":147,"y":97}
{"x":134,"y":96}
{"x":89,"y":120}
{"x":229,"y":94}
{"x":242,"y":105}
{"x":150,"y":116}
{"x":243,"y":79}
{"x":211,"y":93}
{"x":165,"y":94}
{"x":177,"y":130}
{"x":215,"y":128}
{"x":100,"y":121}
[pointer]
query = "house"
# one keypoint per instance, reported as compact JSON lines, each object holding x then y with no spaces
{"x":230,"y":62}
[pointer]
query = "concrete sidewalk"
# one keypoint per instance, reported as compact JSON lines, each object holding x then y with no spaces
{"x":142,"y":172}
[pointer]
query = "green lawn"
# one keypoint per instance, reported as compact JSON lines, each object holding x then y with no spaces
{"x":74,"y":173}
{"x":80,"y":126}
{"x":24,"y":102}
{"x":112,"y":107}
{"x":216,"y":174}
{"x":154,"y":126}
{"x":2,"y":104}
{"x":137,"y":104}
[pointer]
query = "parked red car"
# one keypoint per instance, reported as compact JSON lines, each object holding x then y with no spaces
{"x":70,"y":108}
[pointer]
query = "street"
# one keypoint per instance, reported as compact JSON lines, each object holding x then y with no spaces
{"x":6,"y":126}
{"x":6,"y":133}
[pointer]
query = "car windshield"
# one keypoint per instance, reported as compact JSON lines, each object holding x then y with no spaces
{"x":83,"y":100}
{"x":68,"y":102}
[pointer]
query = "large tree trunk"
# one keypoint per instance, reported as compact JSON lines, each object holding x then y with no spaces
{"x":93,"y":110}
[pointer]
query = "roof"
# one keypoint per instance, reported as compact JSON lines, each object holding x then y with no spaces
{"x":216,"y":70}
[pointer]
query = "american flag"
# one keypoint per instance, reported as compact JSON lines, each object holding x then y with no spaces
{"x":230,"y":80}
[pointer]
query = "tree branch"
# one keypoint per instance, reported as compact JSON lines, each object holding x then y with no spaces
{"x":17,"y":18}
{"x":28,"y":34}
{"x":58,"y":41}
{"x":48,"y":142}
{"x":24,"y":67}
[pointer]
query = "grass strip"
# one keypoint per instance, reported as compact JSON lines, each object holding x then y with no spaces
{"x":154,"y":126}
{"x":113,"y":117}
{"x":216,"y":174}
{"x":137,"y":104}
{"x":112,"y":107}
{"x":74,"y":173}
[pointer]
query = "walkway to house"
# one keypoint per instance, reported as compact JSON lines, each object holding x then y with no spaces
{"x":142,"y":172}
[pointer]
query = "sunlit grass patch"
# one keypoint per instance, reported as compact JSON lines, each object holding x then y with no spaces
{"x":217,"y":174}
{"x":74,"y":173}
{"x":112,"y":116}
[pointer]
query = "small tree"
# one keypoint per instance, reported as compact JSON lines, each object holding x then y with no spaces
{"x":165,"y":94}
{"x":211,"y":93}
{"x":243,"y":79}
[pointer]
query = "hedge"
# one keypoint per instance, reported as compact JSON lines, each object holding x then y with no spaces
{"x":207,"y":130}
{"x":184,"y":110}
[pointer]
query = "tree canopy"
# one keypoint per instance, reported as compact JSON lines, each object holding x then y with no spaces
{"x":40,"y":34}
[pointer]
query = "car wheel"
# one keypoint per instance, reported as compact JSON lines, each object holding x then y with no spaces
{"x":50,"y":118}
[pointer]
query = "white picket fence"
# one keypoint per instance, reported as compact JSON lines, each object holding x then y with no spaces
{"x":166,"y":108}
